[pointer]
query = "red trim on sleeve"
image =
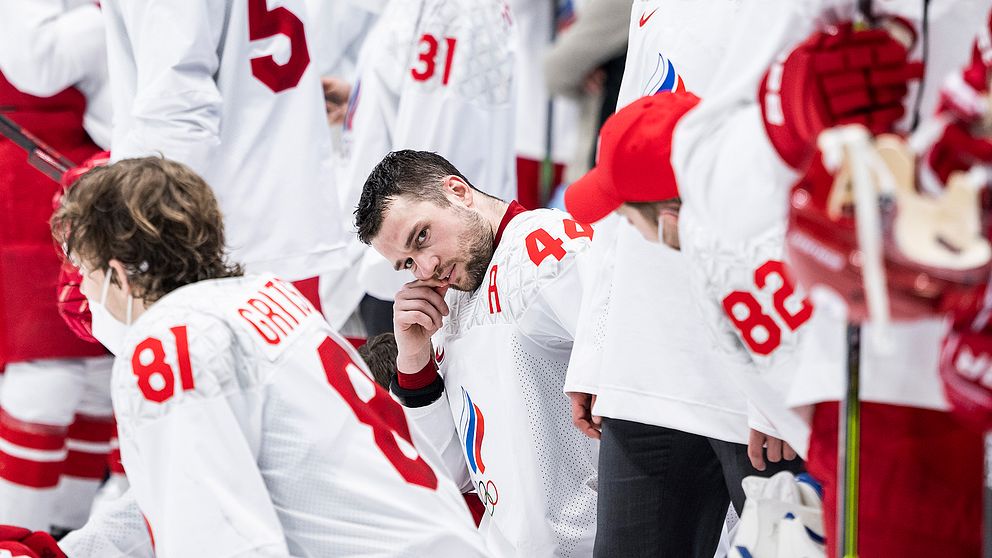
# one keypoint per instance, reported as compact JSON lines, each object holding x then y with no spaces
{"x":420,"y":380}
{"x":511,"y":212}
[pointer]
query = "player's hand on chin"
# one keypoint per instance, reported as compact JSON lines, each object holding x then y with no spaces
{"x":417,"y":313}
{"x":774,"y":448}
{"x":582,"y":417}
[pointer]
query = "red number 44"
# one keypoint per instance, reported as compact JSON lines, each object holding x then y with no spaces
{"x":540,"y":244}
{"x":756,"y":320}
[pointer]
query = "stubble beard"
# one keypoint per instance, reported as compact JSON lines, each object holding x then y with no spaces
{"x":476,"y":245}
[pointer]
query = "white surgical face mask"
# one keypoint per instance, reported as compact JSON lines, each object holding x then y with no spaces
{"x":107,"y":329}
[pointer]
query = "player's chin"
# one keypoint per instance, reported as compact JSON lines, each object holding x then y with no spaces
{"x":466,"y":284}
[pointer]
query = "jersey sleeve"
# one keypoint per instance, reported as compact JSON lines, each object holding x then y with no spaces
{"x":434,"y":428}
{"x":457,"y":95}
{"x":114,"y":530}
{"x":177,"y":105}
{"x":184,"y":417}
{"x":45,"y":48}
{"x":551,"y":255}
{"x":585,"y":361}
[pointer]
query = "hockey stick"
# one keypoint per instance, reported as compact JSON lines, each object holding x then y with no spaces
{"x":40,"y":155}
{"x":849,"y":431}
{"x":849,"y":449}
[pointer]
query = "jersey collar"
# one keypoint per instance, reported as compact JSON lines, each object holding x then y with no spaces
{"x":512,"y":211}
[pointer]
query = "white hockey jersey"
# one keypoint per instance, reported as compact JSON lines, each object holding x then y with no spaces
{"x":228,"y":87}
{"x":436,"y":75}
{"x":642,"y":346}
{"x":734,"y":188}
{"x":248,"y":427}
{"x":47,"y":46}
{"x":503,"y":425}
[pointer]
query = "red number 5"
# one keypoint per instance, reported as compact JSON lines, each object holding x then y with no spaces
{"x":381,"y":413}
{"x":264,"y":23}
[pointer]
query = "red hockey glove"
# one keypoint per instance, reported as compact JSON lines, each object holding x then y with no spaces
{"x":22,"y":542}
{"x":72,"y":305}
{"x":837,"y":76}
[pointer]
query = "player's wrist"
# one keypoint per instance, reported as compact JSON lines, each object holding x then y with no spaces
{"x":413,"y":363}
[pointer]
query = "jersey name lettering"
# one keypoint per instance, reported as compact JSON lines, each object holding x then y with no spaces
{"x":275,"y":311}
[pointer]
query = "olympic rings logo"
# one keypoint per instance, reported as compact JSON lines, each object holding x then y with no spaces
{"x":488,"y":494}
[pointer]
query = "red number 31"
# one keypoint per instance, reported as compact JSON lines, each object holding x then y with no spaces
{"x":756,"y":319}
{"x":427,"y":58}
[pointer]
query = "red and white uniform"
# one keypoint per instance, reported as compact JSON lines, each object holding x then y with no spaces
{"x":55,"y":415}
{"x":645,"y":318}
{"x":734,"y":188}
{"x":230,"y":89}
{"x":502,"y":423}
{"x":248,"y":427}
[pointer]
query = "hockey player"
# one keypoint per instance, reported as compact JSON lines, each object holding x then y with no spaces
{"x":436,"y":75}
{"x":734,"y":156}
{"x":55,"y":414}
{"x":227,"y":88}
{"x":640,"y":338}
{"x":247,"y":425}
{"x":685,"y":464}
{"x":483,"y":337}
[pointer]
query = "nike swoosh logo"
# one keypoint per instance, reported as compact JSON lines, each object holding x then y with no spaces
{"x":644,"y":19}
{"x":439,"y":355}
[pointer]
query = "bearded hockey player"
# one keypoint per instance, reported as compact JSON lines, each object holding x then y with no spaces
{"x":247,"y":426}
{"x":483,"y":336}
{"x":436,"y":75}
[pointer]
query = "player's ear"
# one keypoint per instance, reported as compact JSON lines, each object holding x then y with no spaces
{"x":117,"y":268}
{"x":457,"y":188}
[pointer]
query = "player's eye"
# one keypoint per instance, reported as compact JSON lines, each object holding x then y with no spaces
{"x":422,"y":237}
{"x":408,"y":263}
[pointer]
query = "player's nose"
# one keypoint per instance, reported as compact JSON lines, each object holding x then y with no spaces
{"x":424,"y":266}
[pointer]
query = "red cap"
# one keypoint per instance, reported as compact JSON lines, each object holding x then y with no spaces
{"x":634,"y":165}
